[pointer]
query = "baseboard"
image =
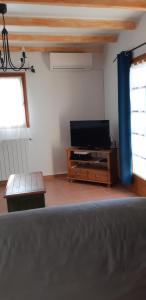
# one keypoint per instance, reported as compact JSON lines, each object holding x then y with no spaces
{"x":4,"y":182}
{"x":54,"y":176}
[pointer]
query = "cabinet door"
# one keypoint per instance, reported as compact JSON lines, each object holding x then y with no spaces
{"x":98,"y":175}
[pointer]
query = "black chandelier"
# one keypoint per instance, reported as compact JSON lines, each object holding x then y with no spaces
{"x":5,"y":56}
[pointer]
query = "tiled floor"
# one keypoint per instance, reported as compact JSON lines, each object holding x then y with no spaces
{"x":62,"y":192}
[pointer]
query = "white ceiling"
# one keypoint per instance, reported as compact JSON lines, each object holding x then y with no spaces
{"x":59,"y":31}
{"x":50,"y":11}
{"x":70,"y":12}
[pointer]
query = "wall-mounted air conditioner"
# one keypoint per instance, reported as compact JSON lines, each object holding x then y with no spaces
{"x":70,"y":61}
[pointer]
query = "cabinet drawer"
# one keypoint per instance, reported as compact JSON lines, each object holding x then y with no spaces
{"x":78,"y":173}
{"x":98,"y":175}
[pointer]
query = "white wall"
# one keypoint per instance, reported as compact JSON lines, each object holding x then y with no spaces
{"x":127,"y":41}
{"x":55,"y":98}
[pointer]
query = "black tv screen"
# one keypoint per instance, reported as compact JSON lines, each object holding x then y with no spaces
{"x":90,"y":134}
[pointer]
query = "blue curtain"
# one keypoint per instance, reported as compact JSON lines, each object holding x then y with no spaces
{"x":125,"y":154}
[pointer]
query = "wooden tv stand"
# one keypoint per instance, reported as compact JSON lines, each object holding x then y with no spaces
{"x":92,"y":165}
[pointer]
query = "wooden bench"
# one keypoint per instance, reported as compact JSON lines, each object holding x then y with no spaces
{"x":25,"y":191}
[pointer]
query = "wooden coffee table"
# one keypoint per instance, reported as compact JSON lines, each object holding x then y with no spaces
{"x":25,"y":191}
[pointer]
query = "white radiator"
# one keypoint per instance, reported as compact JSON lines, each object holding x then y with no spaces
{"x":13,"y":157}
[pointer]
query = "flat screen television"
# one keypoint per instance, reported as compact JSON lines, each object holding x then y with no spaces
{"x":90,"y":134}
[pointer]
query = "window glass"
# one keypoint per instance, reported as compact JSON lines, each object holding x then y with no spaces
{"x":12,"y":108}
{"x":138,"y":118}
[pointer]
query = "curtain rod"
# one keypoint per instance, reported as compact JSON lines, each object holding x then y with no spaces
{"x":138,"y":46}
{"x":135,"y":48}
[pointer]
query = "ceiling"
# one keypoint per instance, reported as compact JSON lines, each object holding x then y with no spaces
{"x":69,"y":25}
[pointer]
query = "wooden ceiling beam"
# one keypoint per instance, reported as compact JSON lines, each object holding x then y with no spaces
{"x":58,"y":49}
{"x":123,"y":4}
{"x":70,"y":23}
{"x":63,"y":38}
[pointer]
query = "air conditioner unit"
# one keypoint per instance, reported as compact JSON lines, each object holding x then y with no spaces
{"x":70,"y":61}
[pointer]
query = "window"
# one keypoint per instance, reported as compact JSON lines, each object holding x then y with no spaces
{"x":13,"y":101}
{"x":138,"y":118}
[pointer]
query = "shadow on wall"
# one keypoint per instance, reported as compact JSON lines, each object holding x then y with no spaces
{"x":59,"y":147}
{"x":46,"y":60}
{"x":70,"y":107}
